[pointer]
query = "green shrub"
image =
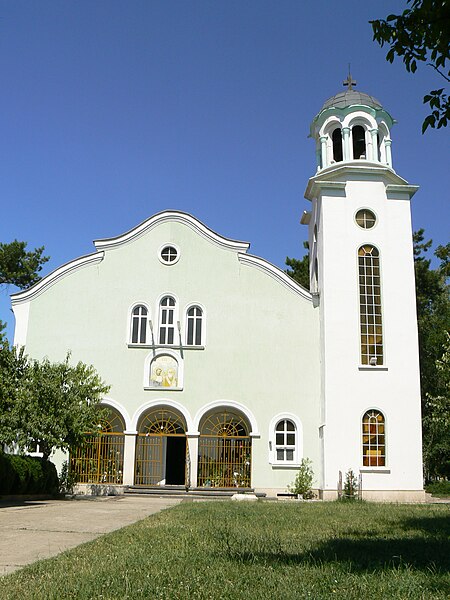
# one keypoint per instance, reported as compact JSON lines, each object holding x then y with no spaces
{"x":303,"y":480}
{"x":27,"y":475}
{"x":439,"y":488}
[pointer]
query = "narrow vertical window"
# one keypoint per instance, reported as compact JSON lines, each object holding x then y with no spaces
{"x":336,"y":138}
{"x":285,"y":441}
{"x":359,"y":142}
{"x":139,"y":325}
{"x":194,"y":326}
{"x":167,"y":320}
{"x":370,"y":306}
{"x":373,"y":439}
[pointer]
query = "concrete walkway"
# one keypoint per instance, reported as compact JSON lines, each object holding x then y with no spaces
{"x":37,"y":529}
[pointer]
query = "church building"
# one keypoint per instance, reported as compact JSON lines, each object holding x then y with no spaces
{"x":224,"y":372}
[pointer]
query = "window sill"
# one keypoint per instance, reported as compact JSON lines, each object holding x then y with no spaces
{"x":173,"y":346}
{"x":372,"y":368}
{"x":374,"y":470}
{"x":280,"y":465}
{"x":163,"y":389}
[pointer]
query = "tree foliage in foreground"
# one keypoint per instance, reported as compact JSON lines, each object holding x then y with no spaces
{"x":299,"y":269}
{"x":421,"y":34}
{"x":51,"y":404}
{"x":19,"y":267}
{"x":433,"y":316}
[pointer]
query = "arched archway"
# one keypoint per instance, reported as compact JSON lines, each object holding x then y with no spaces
{"x":161,"y":449}
{"x":100,"y":458}
{"x":224,"y":451}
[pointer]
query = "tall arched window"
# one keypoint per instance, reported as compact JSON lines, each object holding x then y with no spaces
{"x":194,"y":326}
{"x":336,"y":137}
{"x":359,"y":142}
{"x":167,"y":320}
{"x":373,"y":439}
{"x":139,"y":325}
{"x":370,"y":306}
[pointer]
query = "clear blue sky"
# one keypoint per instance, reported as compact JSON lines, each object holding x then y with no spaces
{"x":113,"y":110}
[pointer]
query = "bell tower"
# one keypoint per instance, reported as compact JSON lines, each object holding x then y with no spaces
{"x":362,"y":281}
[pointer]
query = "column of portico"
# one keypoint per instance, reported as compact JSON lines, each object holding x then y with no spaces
{"x":129,"y":454}
{"x":192,"y":441}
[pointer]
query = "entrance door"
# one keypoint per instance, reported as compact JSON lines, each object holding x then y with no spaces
{"x":161,"y":449}
{"x":175,"y":460}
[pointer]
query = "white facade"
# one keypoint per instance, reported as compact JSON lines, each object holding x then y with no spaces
{"x":331,"y":375}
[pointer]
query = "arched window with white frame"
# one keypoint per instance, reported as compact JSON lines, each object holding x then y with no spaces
{"x":194,"y":326}
{"x":370,"y":306}
{"x":373,"y":439}
{"x":167,"y":321}
{"x":139,"y":317}
{"x":285,"y":440}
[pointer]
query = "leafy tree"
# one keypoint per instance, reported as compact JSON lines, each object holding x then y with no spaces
{"x":52,"y":404}
{"x":299,"y":269}
{"x":436,"y":421}
{"x":433,"y":316}
{"x":421,"y":34}
{"x":19,"y":267}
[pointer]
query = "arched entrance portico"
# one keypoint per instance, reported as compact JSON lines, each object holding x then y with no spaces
{"x":100,"y":458}
{"x":224,"y":450}
{"x":161,"y":449}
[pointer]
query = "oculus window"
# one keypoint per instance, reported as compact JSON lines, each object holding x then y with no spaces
{"x":365,"y":218}
{"x":169,"y":254}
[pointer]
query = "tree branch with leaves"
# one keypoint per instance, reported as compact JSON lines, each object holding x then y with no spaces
{"x":421,"y":34}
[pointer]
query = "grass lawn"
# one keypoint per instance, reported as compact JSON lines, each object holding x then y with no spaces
{"x":264,"y":550}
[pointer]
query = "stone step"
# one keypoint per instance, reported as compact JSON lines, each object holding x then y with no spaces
{"x":174,"y":490}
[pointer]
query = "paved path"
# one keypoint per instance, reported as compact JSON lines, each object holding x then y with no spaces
{"x":33,"y":530}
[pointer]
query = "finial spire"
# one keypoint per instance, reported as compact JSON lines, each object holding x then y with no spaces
{"x":349,"y":81}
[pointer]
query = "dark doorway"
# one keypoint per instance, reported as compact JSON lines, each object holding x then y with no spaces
{"x":176,"y":460}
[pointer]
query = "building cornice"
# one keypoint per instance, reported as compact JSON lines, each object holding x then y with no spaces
{"x":171,"y":216}
{"x":327,"y":178}
{"x":274,"y":272}
{"x":55,"y":276}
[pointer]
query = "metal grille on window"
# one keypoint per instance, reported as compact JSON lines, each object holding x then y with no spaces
{"x":285,"y":434}
{"x":373,"y":439}
{"x":224,"y":451}
{"x":139,"y":325}
{"x":194,"y":326}
{"x":100,"y":458}
{"x":167,"y":321}
{"x":370,"y":306}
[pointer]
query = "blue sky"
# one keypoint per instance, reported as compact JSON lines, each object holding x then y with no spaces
{"x":113,"y":110}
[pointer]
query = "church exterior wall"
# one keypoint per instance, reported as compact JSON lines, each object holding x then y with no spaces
{"x":260,"y":350}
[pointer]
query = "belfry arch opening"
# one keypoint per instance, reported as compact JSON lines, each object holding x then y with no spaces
{"x":336,"y":138}
{"x":161,"y":448}
{"x":359,"y":142}
{"x":224,"y":451}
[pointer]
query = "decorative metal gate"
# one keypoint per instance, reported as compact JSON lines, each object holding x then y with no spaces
{"x":161,"y":449}
{"x":100,"y":458}
{"x":224,"y":451}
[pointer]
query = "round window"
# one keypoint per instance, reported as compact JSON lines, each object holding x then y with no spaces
{"x":169,"y":254}
{"x":365,"y":218}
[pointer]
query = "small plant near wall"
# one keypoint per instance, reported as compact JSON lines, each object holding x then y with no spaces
{"x":350,"y":491}
{"x":301,"y":486}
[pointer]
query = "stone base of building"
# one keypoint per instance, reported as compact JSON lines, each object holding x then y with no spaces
{"x":98,"y":489}
{"x":407,"y":496}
